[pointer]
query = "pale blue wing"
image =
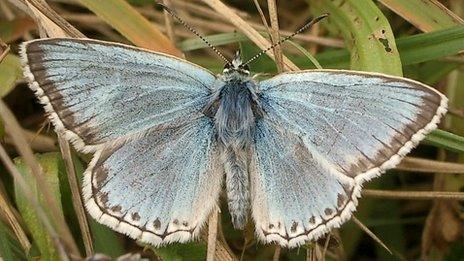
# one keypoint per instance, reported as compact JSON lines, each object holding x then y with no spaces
{"x":158,"y":188}
{"x":322,"y":135}
{"x":295,"y":195}
{"x":362,"y":123}
{"x":97,"y":91}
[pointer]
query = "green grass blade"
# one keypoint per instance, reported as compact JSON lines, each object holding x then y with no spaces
{"x":428,"y":16}
{"x":50,"y":165}
{"x":446,"y":140}
{"x":429,"y":46}
{"x":306,"y":54}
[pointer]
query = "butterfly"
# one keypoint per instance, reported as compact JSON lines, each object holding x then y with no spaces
{"x":293,"y":150}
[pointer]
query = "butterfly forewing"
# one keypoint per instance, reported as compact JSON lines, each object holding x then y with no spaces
{"x":358,"y":121}
{"x":97,"y":91}
{"x":352,"y":126}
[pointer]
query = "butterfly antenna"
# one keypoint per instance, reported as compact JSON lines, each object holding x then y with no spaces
{"x":304,"y":27}
{"x":173,"y":14}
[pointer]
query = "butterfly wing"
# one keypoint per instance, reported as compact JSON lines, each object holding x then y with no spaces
{"x":97,"y":91}
{"x":158,"y":188}
{"x":294,"y":195}
{"x":154,"y":176}
{"x":353,"y":125}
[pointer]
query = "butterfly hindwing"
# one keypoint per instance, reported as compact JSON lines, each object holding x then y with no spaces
{"x":323,"y":134}
{"x":295,"y":196}
{"x":97,"y":91}
{"x":157,"y":188}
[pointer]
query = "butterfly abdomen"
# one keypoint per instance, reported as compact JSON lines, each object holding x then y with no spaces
{"x":237,"y":185}
{"x":235,"y":122}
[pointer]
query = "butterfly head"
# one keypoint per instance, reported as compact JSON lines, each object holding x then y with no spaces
{"x":236,"y":66}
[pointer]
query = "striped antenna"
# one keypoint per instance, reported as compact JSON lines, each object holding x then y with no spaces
{"x":304,"y":27}
{"x":173,"y":14}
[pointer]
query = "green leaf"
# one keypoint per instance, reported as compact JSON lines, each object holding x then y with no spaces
{"x":10,"y":72}
{"x":446,"y":140}
{"x":52,"y":168}
{"x":366,"y":31}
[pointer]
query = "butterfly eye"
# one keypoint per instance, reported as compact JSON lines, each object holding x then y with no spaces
{"x":228,"y":66}
{"x":245,"y":67}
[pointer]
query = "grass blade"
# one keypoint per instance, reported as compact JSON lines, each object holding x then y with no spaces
{"x":49,"y":164}
{"x":427,"y":16}
{"x":413,"y":49}
{"x":446,"y":140}
{"x":126,"y":20}
{"x":430,"y":46}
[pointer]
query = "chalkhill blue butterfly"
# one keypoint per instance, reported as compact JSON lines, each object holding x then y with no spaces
{"x":294,"y":150}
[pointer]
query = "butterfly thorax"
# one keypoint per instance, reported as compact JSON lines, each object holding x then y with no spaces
{"x":234,"y":108}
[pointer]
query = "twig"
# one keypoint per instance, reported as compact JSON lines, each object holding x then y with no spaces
{"x":271,"y":4}
{"x":276,"y":256}
{"x":38,"y":143}
{"x":212,"y":235}
{"x":5,"y":50}
{"x":208,"y":13}
{"x":168,"y":22}
{"x":76,"y":195}
{"x":326,"y":245}
{"x":7,"y":209}
{"x":429,"y":166}
{"x":314,"y":253}
{"x":43,"y":7}
{"x":370,"y":233}
{"x":261,"y":14}
{"x":458,"y":112}
{"x":419,"y":195}
{"x":243,"y":26}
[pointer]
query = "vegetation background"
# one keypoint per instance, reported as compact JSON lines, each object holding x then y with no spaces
{"x":413,"y":212}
